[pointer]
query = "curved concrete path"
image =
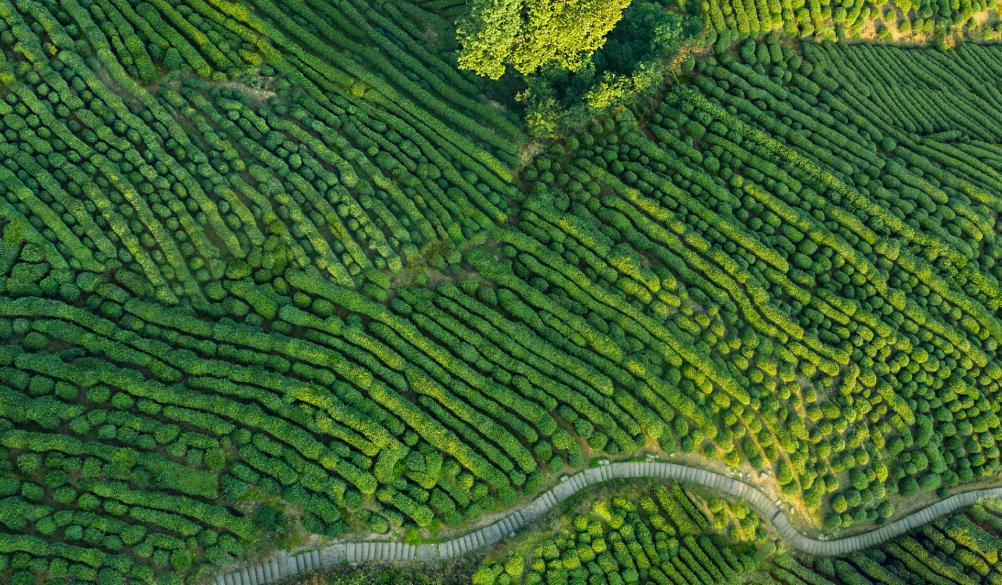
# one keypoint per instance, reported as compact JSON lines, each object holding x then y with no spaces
{"x":285,"y":565}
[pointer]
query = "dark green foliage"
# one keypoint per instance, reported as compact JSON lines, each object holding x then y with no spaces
{"x":269,"y":261}
{"x":268,"y":518}
{"x":949,"y":550}
{"x":651,"y":535}
{"x":946,"y":22}
{"x":631,"y":66}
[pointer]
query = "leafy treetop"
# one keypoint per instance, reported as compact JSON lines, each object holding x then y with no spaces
{"x":530,"y":34}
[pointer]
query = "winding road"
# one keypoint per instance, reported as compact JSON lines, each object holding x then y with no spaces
{"x":285,"y":565}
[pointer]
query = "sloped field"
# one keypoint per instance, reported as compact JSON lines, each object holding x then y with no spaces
{"x":279,"y":262}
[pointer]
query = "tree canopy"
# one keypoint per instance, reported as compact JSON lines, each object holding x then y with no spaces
{"x":530,"y":34}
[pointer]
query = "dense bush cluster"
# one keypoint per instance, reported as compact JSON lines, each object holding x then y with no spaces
{"x":814,"y":278}
{"x":664,"y":535}
{"x":253,"y":137}
{"x":157,"y":155}
{"x":267,"y":265}
{"x":657,"y":535}
{"x":961,"y":549}
{"x":942,"y":21}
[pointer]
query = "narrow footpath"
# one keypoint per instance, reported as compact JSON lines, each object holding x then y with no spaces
{"x":285,"y":565}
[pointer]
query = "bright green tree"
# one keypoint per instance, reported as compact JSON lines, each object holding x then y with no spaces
{"x":530,"y":34}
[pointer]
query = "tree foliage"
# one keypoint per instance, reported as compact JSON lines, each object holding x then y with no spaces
{"x":532,"y":34}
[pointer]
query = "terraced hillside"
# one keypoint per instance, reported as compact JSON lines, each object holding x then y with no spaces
{"x":270,"y":269}
{"x":244,"y":130}
{"x":808,"y":262}
{"x":660,"y":534}
{"x":756,"y":513}
{"x":961,"y":549}
{"x":663,"y":534}
{"x":836,"y":20}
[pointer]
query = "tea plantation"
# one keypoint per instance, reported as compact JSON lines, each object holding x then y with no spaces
{"x":666,"y":535}
{"x":278,"y":271}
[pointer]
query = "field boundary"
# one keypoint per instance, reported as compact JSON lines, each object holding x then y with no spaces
{"x":285,"y":565}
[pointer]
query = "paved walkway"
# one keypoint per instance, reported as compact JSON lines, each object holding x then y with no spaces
{"x":284,"y":565}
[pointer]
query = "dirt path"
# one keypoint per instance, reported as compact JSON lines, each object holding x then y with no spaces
{"x":285,"y":565}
